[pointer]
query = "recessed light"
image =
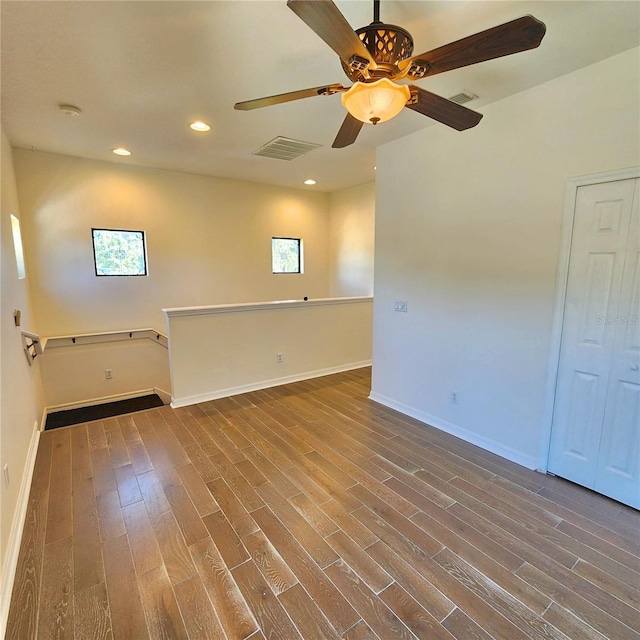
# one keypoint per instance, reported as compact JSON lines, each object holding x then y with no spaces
{"x":69,"y":110}
{"x":309,"y":181}
{"x":121,"y":151}
{"x":200,"y":126}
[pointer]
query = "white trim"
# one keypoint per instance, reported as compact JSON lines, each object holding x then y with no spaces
{"x":265,"y":384}
{"x":17,"y":527}
{"x":260,"y":306}
{"x":165,"y":396}
{"x":571,"y":191}
{"x":43,"y":419}
{"x":459,"y":432}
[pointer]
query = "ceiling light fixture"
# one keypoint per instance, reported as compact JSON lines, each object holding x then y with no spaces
{"x":69,"y":110}
{"x":376,"y":101}
{"x":309,"y":181}
{"x":121,"y":151}
{"x":198,"y":125}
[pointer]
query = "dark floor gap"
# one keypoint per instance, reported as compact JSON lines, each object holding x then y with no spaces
{"x":101,"y":411}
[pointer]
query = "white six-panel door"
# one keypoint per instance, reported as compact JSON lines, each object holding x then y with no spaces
{"x":595,"y":438}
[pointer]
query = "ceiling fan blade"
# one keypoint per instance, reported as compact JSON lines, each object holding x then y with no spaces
{"x":323,"y":17}
{"x":258,"y":103}
{"x":450,"y":113}
{"x":512,"y":37}
{"x":348,"y":132}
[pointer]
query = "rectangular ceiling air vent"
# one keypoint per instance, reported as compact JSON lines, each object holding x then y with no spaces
{"x":463,"y":97}
{"x":285,"y":148}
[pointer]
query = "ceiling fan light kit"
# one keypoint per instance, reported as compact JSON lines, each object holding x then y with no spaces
{"x":377,"y":101}
{"x":375,"y":57}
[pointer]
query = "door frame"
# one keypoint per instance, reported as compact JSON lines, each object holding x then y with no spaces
{"x":571,"y":193}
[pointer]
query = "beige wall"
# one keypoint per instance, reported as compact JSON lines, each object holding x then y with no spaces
{"x":352,"y":224}
{"x":20,"y":390}
{"x":208,"y":241}
{"x":76,"y":374}
{"x":468,"y":229}
{"x":237,"y":346}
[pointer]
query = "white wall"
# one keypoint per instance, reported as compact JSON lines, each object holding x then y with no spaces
{"x":352,"y":225}
{"x":468,"y":230}
{"x":20,"y":389}
{"x":208,"y":240}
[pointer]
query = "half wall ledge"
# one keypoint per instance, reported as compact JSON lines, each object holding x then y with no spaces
{"x":262,"y":306}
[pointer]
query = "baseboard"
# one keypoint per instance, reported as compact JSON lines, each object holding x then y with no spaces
{"x":165,"y":396}
{"x":265,"y":384}
{"x":530,"y":462}
{"x":43,"y":422}
{"x":104,"y":400}
{"x":17,"y":527}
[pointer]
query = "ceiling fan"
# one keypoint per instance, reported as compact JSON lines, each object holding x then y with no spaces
{"x":376,"y":57}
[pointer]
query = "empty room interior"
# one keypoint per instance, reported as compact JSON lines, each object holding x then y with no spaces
{"x":320,"y":319}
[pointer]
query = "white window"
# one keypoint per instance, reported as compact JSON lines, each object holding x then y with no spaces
{"x":17,"y":245}
{"x":286,"y":255}
{"x":119,"y":253}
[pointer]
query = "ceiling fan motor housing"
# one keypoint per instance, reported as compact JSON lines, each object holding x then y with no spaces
{"x":387,"y":44}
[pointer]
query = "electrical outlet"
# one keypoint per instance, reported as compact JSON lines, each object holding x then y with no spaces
{"x":400,"y":305}
{"x":5,"y":476}
{"x":108,"y":374}
{"x":279,"y":358}
{"x":455,"y":397}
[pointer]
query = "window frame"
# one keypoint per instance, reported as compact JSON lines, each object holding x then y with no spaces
{"x":300,"y":266}
{"x":120,"y":275}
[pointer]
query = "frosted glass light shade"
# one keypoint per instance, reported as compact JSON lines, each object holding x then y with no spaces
{"x":376,"y":101}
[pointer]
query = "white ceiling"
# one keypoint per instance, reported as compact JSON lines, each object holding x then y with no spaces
{"x":141,"y":71}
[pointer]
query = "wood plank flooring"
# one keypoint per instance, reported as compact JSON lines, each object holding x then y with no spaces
{"x":308,"y":511}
